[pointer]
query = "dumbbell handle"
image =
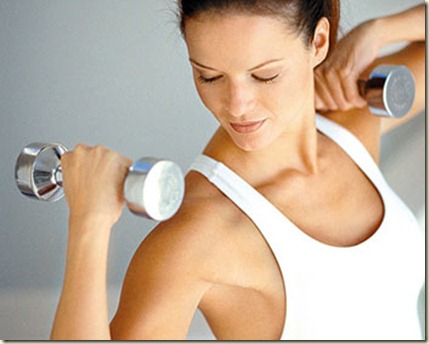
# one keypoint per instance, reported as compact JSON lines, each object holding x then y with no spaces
{"x":372,"y":91}
{"x":365,"y":86}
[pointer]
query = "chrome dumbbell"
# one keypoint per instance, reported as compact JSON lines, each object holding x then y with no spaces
{"x":389,"y":91}
{"x":153,"y":188}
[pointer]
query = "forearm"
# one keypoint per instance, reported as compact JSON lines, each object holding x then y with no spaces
{"x":405,"y":26}
{"x":82,"y":312}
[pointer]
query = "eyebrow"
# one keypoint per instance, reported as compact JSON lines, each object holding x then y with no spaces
{"x":263,"y":64}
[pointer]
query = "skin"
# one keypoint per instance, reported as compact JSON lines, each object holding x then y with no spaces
{"x":356,"y":55}
{"x":221,"y":263}
{"x":337,"y":77}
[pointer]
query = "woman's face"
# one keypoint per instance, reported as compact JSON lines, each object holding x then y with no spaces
{"x":253,"y":75}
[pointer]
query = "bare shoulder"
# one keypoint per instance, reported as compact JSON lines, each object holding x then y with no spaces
{"x":186,"y":241}
{"x":200,"y":222}
{"x":173,"y":267}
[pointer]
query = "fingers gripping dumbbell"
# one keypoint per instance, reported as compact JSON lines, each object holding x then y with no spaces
{"x":389,"y":91}
{"x":153,"y":188}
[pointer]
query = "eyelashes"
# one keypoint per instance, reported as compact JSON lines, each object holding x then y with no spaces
{"x":266,"y":80}
{"x":216,"y":78}
{"x":208,"y":80}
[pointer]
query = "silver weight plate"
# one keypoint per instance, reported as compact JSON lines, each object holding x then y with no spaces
{"x":398,"y":90}
{"x":154,"y":188}
{"x":36,"y":169}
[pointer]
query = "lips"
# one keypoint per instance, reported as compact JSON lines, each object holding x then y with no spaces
{"x":247,"y":127}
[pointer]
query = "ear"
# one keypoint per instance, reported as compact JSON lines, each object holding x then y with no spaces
{"x":320,"y":44}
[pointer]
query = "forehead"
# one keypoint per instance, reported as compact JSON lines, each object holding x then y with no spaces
{"x":214,"y":38}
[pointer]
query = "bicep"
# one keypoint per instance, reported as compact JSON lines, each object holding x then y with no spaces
{"x":161,"y":292}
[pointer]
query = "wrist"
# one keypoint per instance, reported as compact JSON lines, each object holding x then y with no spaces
{"x":100,"y":221}
{"x":94,"y":227}
{"x":88,"y":244}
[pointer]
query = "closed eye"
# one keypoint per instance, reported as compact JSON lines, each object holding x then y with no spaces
{"x":216,"y":78}
{"x":266,"y":80}
{"x":209,"y":80}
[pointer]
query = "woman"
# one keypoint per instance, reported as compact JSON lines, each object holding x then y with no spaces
{"x":287,"y":229}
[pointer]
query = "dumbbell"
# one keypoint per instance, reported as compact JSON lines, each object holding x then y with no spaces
{"x":389,"y":90}
{"x":153,"y":188}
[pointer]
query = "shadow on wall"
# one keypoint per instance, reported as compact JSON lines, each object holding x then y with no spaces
{"x":403,"y":164}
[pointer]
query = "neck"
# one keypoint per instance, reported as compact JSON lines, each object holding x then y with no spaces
{"x":295,"y":150}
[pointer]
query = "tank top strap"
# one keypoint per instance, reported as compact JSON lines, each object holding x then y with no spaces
{"x":254,"y":204}
{"x":353,"y":147}
{"x":244,"y":196}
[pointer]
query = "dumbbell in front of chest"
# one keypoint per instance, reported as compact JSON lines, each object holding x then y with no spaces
{"x":389,"y":91}
{"x":153,"y":188}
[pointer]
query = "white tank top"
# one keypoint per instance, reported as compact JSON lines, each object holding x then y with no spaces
{"x":365,"y":292}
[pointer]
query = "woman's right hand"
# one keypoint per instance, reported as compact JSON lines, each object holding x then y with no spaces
{"x":93,"y":179}
{"x":337,"y":77}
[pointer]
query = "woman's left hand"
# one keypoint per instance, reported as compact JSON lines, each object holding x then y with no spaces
{"x":337,"y":77}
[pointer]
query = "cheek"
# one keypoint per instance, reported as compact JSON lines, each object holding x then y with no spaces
{"x":210,"y":97}
{"x":297,"y":87}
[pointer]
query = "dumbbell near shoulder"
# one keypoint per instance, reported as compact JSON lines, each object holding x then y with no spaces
{"x":153,"y":188}
{"x":389,"y":91}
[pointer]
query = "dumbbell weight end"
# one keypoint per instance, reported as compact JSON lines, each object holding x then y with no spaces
{"x":38,"y":171}
{"x":154,"y":188}
{"x":389,"y":91}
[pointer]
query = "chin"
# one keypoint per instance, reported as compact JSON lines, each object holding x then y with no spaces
{"x":252,"y":142}
{"x":252,"y":145}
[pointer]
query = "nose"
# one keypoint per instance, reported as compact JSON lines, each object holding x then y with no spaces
{"x":240,"y":99}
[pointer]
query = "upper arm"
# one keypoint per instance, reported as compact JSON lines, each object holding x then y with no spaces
{"x":367,"y":127}
{"x":163,"y":286}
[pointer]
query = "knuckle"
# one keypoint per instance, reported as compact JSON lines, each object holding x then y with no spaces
{"x":362,"y":104}
{"x":345,"y":107}
{"x":103,"y":151}
{"x":344,"y":72}
{"x":65,"y":158}
{"x":80,"y":147}
{"x":99,"y":148}
{"x":128,"y":162}
{"x":358,"y":103}
{"x":332,"y":105}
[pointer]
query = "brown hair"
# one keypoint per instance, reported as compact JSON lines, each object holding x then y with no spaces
{"x":302,"y":15}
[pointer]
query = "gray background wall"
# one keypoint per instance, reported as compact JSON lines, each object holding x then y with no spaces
{"x":114,"y":72}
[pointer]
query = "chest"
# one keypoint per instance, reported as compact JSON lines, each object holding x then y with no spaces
{"x":337,"y":206}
